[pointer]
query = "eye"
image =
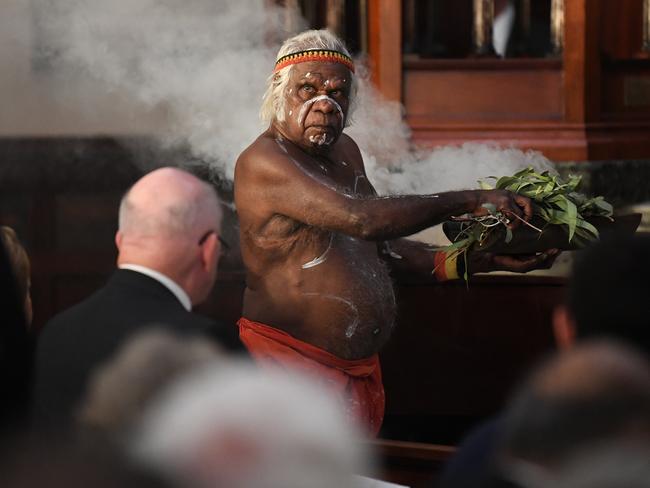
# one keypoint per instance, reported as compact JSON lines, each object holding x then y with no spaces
{"x":335,"y":93}
{"x":307,"y":88}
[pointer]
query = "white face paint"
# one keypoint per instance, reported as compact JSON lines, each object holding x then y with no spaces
{"x":311,"y":101}
{"x":321,"y":140}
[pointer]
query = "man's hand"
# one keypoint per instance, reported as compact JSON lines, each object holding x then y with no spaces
{"x":508,"y":203}
{"x":482,"y":262}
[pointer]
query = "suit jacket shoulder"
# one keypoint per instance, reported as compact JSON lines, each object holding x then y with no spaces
{"x":78,"y":340}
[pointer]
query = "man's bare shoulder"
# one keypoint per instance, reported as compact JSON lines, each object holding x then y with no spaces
{"x":264,"y":151}
{"x":348,"y":144}
{"x":351,"y":151}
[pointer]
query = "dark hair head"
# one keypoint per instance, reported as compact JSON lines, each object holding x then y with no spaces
{"x":597,"y":391}
{"x":610,"y":289}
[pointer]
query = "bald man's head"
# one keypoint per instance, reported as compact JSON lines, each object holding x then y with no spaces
{"x":169,"y":221}
{"x":169,"y":202}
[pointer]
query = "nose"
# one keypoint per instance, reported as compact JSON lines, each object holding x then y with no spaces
{"x":324,"y":105}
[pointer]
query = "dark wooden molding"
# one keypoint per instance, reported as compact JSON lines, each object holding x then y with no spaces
{"x":414,"y":62}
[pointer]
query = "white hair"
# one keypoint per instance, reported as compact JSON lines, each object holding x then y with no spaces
{"x":243,"y":427}
{"x":273,"y":101}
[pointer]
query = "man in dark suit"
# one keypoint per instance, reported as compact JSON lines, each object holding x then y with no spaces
{"x":168,"y":243}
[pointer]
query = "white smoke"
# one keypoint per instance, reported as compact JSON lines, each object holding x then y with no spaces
{"x":201,"y":62}
{"x":394,"y":166}
{"x":203,"y":65}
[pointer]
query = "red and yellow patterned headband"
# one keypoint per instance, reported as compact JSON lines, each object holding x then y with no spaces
{"x":322,"y":55}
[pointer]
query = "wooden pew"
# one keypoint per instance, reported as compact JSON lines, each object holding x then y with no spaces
{"x":412,"y":464}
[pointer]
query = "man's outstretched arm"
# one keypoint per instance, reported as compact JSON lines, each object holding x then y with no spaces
{"x":413,"y":258}
{"x":286,"y":187}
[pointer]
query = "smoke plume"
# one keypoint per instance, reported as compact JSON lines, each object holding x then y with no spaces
{"x":202,"y":64}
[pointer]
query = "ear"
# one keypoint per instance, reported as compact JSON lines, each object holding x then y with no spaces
{"x":564,"y":327}
{"x":210,"y":252}
{"x":118,"y":239}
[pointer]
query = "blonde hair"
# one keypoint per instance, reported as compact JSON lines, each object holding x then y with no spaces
{"x":273,"y":101}
{"x":17,"y":257}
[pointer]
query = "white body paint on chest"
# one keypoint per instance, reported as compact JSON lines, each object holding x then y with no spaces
{"x":322,"y":258}
{"x":352,"y":326}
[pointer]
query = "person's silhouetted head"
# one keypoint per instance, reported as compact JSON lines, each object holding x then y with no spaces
{"x":608,"y":294}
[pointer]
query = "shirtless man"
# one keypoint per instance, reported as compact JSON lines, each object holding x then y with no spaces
{"x":317,"y":241}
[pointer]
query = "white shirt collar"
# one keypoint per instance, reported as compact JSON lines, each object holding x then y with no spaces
{"x":170,"y":284}
{"x":502,"y":29}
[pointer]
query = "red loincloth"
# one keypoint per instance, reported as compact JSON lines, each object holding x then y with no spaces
{"x":357,"y":382}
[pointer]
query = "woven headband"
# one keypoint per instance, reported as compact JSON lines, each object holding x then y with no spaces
{"x":322,"y":55}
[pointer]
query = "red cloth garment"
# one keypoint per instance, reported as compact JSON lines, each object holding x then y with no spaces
{"x":357,"y":382}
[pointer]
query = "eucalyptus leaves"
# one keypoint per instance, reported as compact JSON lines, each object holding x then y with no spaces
{"x":555,"y":203}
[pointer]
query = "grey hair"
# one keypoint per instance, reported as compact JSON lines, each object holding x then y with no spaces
{"x":120,"y":390}
{"x":308,"y":443}
{"x":273,"y":101}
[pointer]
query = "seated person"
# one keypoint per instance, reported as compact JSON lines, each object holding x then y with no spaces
{"x":605,"y":299}
{"x":596,"y":394}
{"x":168,"y":251}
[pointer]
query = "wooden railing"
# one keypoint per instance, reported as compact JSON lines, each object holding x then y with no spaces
{"x":412,"y":464}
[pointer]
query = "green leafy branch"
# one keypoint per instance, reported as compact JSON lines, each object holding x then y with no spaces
{"x":555,"y":202}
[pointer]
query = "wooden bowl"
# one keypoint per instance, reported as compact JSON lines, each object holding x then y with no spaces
{"x":526,"y":240}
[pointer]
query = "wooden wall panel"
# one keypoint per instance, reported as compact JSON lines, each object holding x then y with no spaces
{"x":621,"y":29}
{"x":552,"y":144}
{"x":626,"y":93}
{"x":458,"y":350}
{"x":590,"y":104}
{"x":499,"y":95}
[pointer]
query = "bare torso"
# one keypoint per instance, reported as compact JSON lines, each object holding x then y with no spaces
{"x":313,"y":232}
{"x":320,"y":285}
